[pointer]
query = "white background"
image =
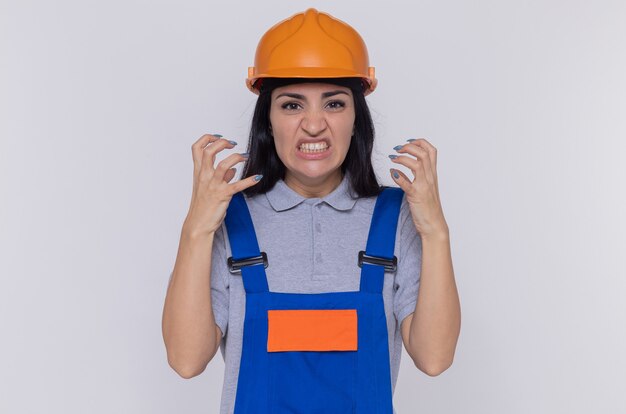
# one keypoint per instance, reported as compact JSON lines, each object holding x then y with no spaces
{"x":524,"y":100}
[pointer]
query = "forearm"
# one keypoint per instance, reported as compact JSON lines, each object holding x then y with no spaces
{"x":436,"y":322}
{"x":189,"y":329}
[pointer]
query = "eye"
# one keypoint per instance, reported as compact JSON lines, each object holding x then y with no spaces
{"x":290,"y":106}
{"x":336,"y":104}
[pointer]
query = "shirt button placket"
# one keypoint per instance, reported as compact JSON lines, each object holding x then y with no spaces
{"x":317,"y":245}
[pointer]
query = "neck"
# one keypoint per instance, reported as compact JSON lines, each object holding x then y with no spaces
{"x":314,"y":187}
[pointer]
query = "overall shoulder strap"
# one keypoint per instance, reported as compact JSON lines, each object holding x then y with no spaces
{"x":247,"y":258}
{"x":378,"y":254}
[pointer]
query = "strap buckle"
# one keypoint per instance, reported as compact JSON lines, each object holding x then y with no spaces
{"x":235,"y":265}
{"x":390,"y":264}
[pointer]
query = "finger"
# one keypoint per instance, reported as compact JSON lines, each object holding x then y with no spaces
{"x":198,"y":146}
{"x":210,"y":151}
{"x":245,"y":183}
{"x":229,"y":174}
{"x":432,"y":155}
{"x":401,"y":179}
{"x":415,"y":165}
{"x":432,"y":151}
{"x":227,"y":163}
{"x":423,"y":157}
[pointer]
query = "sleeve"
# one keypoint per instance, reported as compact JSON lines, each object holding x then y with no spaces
{"x":409,"y":252}
{"x":219,"y":280}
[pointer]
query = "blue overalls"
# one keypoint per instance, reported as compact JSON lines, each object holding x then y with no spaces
{"x":343,"y":366}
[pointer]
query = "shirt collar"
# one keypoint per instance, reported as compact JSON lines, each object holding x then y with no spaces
{"x":281,"y":197}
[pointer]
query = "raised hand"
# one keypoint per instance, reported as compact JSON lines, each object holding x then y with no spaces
{"x":212,"y":190}
{"x":422,"y":193}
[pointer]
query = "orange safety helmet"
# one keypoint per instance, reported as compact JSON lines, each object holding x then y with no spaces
{"x":311,"y":45}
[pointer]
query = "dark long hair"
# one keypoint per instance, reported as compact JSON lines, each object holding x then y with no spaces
{"x":264,"y":158}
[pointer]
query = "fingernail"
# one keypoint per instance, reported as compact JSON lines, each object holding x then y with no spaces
{"x":217,"y":135}
{"x":396,"y":175}
{"x":411,"y":140}
{"x":232,"y":142}
{"x":393,"y":157}
{"x":258,"y":177}
{"x":397,"y":147}
{"x":244,"y":154}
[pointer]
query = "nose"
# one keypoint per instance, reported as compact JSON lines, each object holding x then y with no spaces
{"x":314,"y":122}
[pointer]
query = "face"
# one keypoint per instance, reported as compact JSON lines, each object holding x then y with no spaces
{"x":312,"y":124}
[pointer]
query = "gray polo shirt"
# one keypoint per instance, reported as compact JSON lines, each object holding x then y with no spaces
{"x":312,"y":246}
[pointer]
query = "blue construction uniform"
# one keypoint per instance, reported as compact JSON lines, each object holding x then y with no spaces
{"x":307,"y":381}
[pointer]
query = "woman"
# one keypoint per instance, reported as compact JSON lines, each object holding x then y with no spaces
{"x":310,"y":281}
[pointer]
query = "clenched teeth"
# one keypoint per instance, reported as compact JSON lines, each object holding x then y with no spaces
{"x":313,"y":147}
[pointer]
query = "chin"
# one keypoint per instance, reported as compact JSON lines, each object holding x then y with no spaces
{"x":313,"y":173}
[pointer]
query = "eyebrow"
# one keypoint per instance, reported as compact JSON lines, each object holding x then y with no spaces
{"x":302,"y":97}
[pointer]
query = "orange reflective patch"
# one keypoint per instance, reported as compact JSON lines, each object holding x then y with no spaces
{"x":312,"y":330}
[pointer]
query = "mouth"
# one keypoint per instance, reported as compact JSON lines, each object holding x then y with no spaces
{"x":313,"y":147}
